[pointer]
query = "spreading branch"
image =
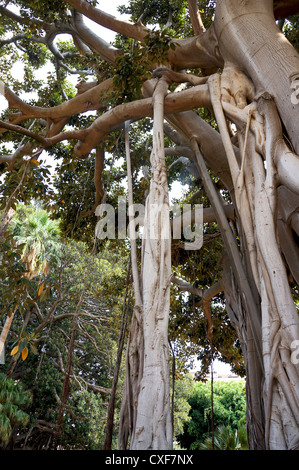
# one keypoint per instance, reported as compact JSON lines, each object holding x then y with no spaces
{"x":195,"y":17}
{"x":126,"y":28}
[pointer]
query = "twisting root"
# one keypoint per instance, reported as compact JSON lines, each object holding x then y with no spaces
{"x":263,"y":134}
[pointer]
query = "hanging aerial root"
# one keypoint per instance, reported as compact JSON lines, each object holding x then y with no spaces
{"x":153,"y":427}
{"x":135,"y":346}
{"x":232,"y":250}
{"x":235,"y":94}
{"x":98,"y":182}
{"x":275,"y":146}
{"x":207,"y":296}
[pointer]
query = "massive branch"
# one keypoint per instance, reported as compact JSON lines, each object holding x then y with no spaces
{"x":89,"y":138}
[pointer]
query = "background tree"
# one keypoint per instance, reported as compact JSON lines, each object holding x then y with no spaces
{"x":39,"y":236}
{"x":229,"y":412}
{"x":43,"y":326}
{"x":183,"y":389}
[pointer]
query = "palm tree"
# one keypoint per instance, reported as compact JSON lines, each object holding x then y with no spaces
{"x":227,"y":439}
{"x":33,"y":228}
{"x":13,"y":400}
{"x":40,"y":237}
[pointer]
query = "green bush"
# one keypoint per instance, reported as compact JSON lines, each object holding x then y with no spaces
{"x":229,"y":406}
{"x":226,"y":439}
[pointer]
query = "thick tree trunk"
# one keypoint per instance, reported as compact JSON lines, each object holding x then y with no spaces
{"x":253,"y":47}
{"x":153,"y":428}
{"x":259,"y":66}
{"x":249,"y":38}
{"x":145,"y":420}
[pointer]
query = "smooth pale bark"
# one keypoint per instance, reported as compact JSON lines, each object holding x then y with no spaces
{"x":135,"y":346}
{"x":89,"y":100}
{"x":210,"y":143}
{"x":135,"y":31}
{"x":93,"y":41}
{"x":256,"y":203}
{"x":208,"y":216}
{"x":255,"y":91}
{"x":83,"y":102}
{"x":187,"y":123}
{"x":5,"y":330}
{"x":227,"y":235}
{"x":192,"y":52}
{"x":153,"y":424}
{"x":269,"y":60}
{"x":195,"y":17}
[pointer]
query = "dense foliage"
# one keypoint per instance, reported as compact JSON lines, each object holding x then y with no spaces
{"x":72,"y":286}
{"x":14,"y":401}
{"x":229,"y":410}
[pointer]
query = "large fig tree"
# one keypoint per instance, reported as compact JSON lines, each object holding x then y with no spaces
{"x":229,"y":60}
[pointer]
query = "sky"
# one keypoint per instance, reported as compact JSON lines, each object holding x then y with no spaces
{"x":109,"y":6}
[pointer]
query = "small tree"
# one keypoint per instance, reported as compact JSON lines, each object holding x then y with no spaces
{"x":226,"y":439}
{"x":34,"y":229}
{"x":38,"y":236}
